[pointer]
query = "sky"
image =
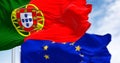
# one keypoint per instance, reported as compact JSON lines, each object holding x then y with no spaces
{"x":105,"y":18}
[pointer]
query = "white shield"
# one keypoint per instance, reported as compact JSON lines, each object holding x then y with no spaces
{"x":26,"y":19}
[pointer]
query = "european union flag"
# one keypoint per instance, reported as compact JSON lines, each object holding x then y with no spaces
{"x":90,"y":48}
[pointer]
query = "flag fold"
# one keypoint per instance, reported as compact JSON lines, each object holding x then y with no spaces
{"x":65,"y":20}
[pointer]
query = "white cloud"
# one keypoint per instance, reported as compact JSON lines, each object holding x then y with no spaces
{"x":110,"y":23}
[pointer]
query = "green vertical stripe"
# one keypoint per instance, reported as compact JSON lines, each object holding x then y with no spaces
{"x":9,"y":37}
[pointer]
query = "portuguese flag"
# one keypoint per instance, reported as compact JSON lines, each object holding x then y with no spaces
{"x":9,"y":37}
{"x":55,"y":20}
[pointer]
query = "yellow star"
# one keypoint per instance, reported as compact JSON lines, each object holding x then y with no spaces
{"x":77,"y":48}
{"x":46,"y":56}
{"x":45,"y":47}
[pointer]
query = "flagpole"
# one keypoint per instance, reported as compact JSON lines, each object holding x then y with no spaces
{"x":13,"y":56}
